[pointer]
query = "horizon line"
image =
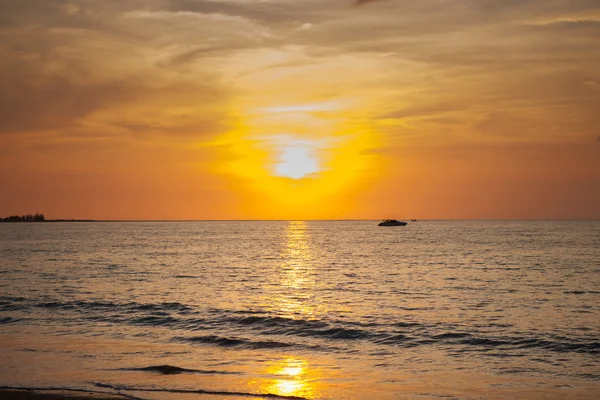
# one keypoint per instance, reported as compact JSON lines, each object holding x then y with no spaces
{"x":307,"y":220}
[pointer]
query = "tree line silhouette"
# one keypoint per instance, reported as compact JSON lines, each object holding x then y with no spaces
{"x":24,"y":218}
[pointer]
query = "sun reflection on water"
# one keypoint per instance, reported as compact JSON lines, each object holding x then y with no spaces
{"x":291,"y":377}
{"x":297,"y":278}
{"x":288,"y":388}
{"x":294,"y":298}
{"x":292,"y":371}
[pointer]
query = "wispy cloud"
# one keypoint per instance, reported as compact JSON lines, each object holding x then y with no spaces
{"x":361,"y":2}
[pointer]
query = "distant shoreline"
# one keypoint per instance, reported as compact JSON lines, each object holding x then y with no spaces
{"x":50,"y":220}
{"x":305,"y":220}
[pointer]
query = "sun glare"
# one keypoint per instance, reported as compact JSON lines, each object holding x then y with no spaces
{"x":297,"y":160}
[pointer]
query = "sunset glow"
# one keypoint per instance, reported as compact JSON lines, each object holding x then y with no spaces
{"x":292,"y":109}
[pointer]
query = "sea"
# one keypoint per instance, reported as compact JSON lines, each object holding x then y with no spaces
{"x":302,"y":309}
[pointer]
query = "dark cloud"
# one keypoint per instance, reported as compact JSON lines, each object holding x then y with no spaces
{"x":55,"y":103}
{"x":33,"y":100}
{"x":15,"y":12}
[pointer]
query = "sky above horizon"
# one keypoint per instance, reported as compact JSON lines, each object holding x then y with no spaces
{"x":300,"y":109}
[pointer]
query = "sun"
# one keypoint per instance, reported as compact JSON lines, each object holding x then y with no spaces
{"x":299,"y":162}
{"x":297,"y":159}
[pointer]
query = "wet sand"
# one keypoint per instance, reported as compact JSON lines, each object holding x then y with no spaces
{"x":43,"y":394}
{"x":26,"y":394}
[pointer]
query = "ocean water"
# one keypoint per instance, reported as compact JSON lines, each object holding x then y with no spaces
{"x":313,"y":310}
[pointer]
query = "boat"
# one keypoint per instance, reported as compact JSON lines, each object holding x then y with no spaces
{"x":392,"y":222}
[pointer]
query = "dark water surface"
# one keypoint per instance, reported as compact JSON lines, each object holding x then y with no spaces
{"x":316,"y":310}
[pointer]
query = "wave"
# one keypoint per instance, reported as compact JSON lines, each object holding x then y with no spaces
{"x":233,"y":342}
{"x":174,"y":370}
{"x":9,"y":320}
{"x":299,"y":327}
{"x":339,"y":334}
{"x":520,"y":342}
{"x":581,"y":292}
{"x":228,"y":328}
{"x":197,"y":391}
{"x":21,"y":303}
{"x":8,"y":303}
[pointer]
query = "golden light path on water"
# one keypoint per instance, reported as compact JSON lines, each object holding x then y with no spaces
{"x":293,"y":376}
{"x":290,"y":376}
{"x":297,"y":278}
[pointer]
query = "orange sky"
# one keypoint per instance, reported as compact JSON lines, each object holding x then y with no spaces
{"x":300,"y":109}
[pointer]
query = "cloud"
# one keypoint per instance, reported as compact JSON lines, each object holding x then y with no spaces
{"x":34,"y":99}
{"x":271,"y":13}
{"x":122,"y":63}
{"x":65,"y":70}
{"x":30,"y":103}
{"x":55,"y":103}
{"x":422,"y":111}
{"x":361,"y":2}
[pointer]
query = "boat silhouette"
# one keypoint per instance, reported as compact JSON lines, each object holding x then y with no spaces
{"x":392,"y":222}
